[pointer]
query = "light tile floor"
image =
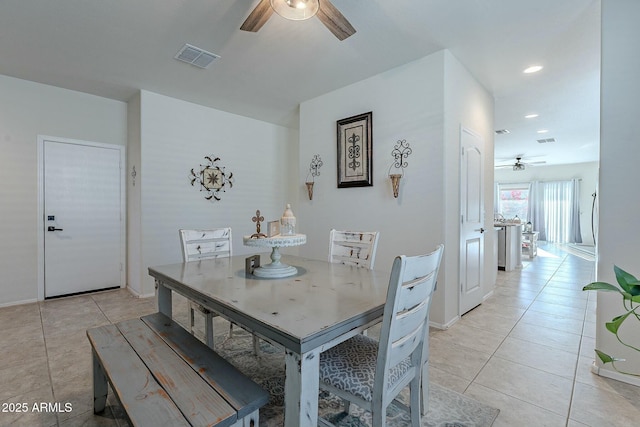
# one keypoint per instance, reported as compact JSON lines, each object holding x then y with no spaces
{"x":527,"y":350}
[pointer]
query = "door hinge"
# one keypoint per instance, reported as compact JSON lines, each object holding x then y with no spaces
{"x":461,"y":219}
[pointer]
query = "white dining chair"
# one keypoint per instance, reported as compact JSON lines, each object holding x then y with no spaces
{"x":372,"y":373}
{"x":199,"y":245}
{"x":353,"y":247}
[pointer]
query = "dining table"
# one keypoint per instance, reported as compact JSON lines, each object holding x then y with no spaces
{"x":320,"y":306}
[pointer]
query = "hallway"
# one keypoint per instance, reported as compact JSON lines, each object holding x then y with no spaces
{"x":528,"y":349}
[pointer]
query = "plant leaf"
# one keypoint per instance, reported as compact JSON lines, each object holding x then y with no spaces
{"x":601,"y":286}
{"x":604,"y":357}
{"x":627,"y":281}
{"x":616,"y":322}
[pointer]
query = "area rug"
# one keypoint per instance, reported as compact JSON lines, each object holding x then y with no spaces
{"x":446,"y":407}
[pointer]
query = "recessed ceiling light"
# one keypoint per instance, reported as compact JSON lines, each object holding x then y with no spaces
{"x":532,"y":69}
{"x":543,"y":131}
{"x":530,"y":116}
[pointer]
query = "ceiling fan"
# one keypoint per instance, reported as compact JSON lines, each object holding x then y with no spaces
{"x":299,"y":10}
{"x":519,"y":165}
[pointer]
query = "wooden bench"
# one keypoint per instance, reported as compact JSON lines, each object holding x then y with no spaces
{"x":163,"y":376}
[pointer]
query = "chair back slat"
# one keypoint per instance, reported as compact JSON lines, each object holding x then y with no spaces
{"x":405,"y":325}
{"x":357,"y":248}
{"x":205,"y":244}
{"x":406,"y":346}
{"x":412,"y":292}
{"x":407,"y":322}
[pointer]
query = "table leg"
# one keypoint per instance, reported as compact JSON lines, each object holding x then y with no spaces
{"x":301,"y":389}
{"x":164,"y":299}
{"x":99,"y":385}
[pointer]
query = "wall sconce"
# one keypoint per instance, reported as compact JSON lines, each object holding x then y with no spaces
{"x":314,"y":170}
{"x":399,"y":153}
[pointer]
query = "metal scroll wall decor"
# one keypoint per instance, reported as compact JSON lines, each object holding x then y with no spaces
{"x":400,"y":152}
{"x":211,"y":178}
{"x":314,"y":170}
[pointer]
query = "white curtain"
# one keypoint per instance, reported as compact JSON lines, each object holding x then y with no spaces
{"x":556,"y":210}
{"x":536,"y":209}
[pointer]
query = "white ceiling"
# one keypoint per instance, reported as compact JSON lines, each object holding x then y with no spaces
{"x":113,"y":48}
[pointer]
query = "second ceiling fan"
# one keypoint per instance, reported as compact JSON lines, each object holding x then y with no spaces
{"x":298,"y":10}
{"x":519,"y":165}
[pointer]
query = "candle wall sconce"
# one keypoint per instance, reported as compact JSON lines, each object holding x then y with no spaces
{"x":399,"y":153}
{"x":314,"y":170}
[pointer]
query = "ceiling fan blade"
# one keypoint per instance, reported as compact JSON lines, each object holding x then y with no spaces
{"x":334,"y":20}
{"x":258,"y":17}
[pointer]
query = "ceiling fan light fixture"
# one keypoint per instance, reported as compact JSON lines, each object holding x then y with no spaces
{"x":295,"y":10}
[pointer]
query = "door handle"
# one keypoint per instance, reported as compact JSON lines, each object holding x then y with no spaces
{"x":52,"y":228}
{"x":481,"y":230}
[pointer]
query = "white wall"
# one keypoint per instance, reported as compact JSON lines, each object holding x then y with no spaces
{"x":619,"y":199}
{"x":586,"y":172}
{"x":408,"y":102}
{"x":174,"y":137}
{"x":135,"y":271}
{"x":468,"y":105}
{"x":29,"y":109}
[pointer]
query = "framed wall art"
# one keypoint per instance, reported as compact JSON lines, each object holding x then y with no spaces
{"x":211,"y":178}
{"x":355,"y":151}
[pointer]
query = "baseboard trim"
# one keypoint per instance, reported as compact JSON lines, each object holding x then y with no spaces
{"x":12,"y":303}
{"x":138,"y":295}
{"x":614,"y":375}
{"x":444,"y":326}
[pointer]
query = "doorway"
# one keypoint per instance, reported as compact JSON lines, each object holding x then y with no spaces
{"x":81,"y":228}
{"x":472,"y":220}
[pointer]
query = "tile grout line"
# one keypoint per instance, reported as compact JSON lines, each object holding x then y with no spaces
{"x":46,"y":352}
{"x":509,"y":333}
{"x":575,"y":372}
{"x":567,"y":418}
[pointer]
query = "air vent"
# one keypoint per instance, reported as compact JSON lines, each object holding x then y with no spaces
{"x":546,"y":140}
{"x":502,"y":132}
{"x":196,"y":56}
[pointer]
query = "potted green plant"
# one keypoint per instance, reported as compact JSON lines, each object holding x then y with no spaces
{"x":629,"y":288}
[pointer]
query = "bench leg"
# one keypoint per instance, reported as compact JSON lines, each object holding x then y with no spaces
{"x":99,"y":385}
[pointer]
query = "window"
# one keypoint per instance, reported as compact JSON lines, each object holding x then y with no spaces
{"x":513,"y":199}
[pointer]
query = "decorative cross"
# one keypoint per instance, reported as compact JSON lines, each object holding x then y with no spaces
{"x":258,"y":219}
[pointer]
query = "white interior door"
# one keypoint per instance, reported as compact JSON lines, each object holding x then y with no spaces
{"x":82,"y":217}
{"x":472,"y":220}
